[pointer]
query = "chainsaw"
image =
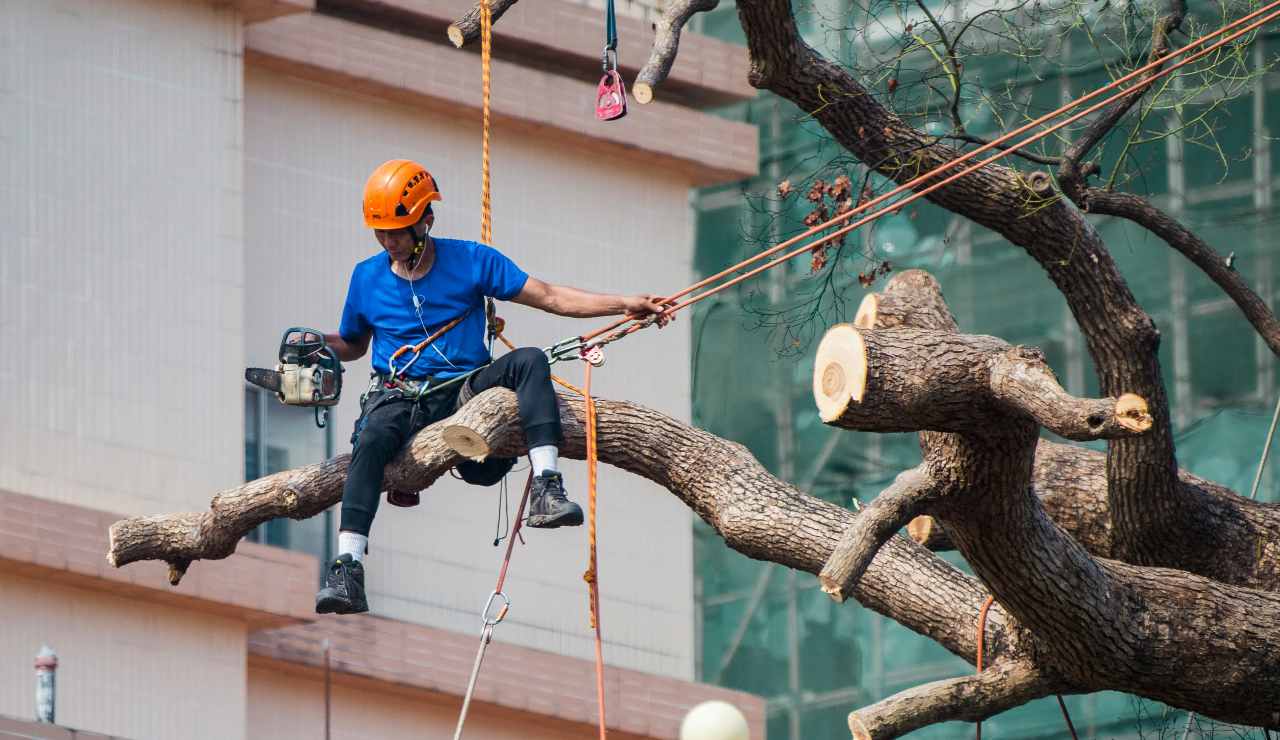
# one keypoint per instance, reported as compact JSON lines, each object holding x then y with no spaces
{"x":309,"y":373}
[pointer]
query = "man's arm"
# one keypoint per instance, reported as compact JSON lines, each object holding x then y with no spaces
{"x":572,"y":302}
{"x":348,"y":351}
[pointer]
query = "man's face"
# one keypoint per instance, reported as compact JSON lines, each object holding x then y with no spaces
{"x":398,"y":243}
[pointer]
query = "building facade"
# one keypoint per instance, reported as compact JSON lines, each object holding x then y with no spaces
{"x":181,"y":182}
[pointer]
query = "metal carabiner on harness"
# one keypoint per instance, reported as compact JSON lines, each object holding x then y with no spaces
{"x":565,"y":349}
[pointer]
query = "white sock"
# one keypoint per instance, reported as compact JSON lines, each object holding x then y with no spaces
{"x":544,"y":458}
{"x":353,"y":544}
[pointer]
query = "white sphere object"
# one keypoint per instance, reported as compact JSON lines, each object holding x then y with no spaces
{"x":714,"y":720}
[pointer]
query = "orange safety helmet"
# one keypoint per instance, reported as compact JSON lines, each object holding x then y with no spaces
{"x":397,"y":193}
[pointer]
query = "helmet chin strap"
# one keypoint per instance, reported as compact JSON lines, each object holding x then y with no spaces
{"x":420,"y":242}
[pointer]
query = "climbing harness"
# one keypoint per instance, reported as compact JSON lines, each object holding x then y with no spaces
{"x":308,"y":374}
{"x":611,"y":93}
{"x":488,"y":617}
{"x":398,"y":373}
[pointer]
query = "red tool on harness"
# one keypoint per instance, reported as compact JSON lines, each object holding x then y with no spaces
{"x":611,"y":93}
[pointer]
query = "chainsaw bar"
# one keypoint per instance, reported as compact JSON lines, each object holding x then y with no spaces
{"x":263,"y":378}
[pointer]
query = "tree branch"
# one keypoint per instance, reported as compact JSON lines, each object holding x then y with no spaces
{"x":756,"y":514}
{"x":1238,"y":540}
{"x":666,"y":43}
{"x":467,"y":28}
{"x":912,"y":298}
{"x":967,"y":698}
{"x":1219,"y":269}
{"x":1024,"y":382}
{"x":1107,"y":119}
{"x":926,"y":532}
{"x":895,"y":380}
{"x":909,"y":494}
{"x":1029,"y":156}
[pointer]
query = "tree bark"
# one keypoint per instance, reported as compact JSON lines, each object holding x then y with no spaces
{"x":969,"y":698}
{"x":894,"y":507}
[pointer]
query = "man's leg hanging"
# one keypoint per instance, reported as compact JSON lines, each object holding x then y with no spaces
{"x":380,"y":434}
{"x":527,"y":372}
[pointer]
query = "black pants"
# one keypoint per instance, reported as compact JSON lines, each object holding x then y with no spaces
{"x":388,"y":420}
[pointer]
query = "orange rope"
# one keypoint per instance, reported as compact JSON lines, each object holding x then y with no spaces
{"x":486,"y":236}
{"x":561,"y":381}
{"x":982,"y":628}
{"x":1270,"y":9}
{"x":592,"y":575}
{"x":486,"y":52}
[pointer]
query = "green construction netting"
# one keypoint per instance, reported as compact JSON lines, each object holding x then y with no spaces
{"x":770,"y":631}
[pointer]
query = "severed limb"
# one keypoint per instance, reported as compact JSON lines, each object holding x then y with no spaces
{"x":925,"y":531}
{"x":467,"y":28}
{"x":909,"y":494}
{"x":968,"y":698}
{"x":895,"y":380}
{"x":666,"y":43}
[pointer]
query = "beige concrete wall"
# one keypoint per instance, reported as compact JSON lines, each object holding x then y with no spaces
{"x":590,"y":221}
{"x":120,"y":271}
{"x":290,"y":706}
{"x":133,"y":669}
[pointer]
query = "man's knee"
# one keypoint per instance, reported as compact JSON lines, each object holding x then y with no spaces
{"x":531,"y":360}
{"x":378,"y":440}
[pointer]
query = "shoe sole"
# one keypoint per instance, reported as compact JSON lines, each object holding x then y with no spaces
{"x":332,"y":605}
{"x":335,"y":605}
{"x":537,"y":521}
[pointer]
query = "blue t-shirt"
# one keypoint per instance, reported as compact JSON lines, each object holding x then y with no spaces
{"x":464,"y":273}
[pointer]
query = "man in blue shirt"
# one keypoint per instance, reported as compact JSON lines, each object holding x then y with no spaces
{"x":418,"y":287}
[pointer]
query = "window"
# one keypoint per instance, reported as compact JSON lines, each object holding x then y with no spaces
{"x":279,"y":437}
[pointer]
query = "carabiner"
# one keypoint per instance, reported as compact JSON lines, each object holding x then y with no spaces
{"x":502,"y":611}
{"x":565,"y":349}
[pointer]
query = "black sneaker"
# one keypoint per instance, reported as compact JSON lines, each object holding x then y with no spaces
{"x":548,"y":506}
{"x":343,"y":591}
